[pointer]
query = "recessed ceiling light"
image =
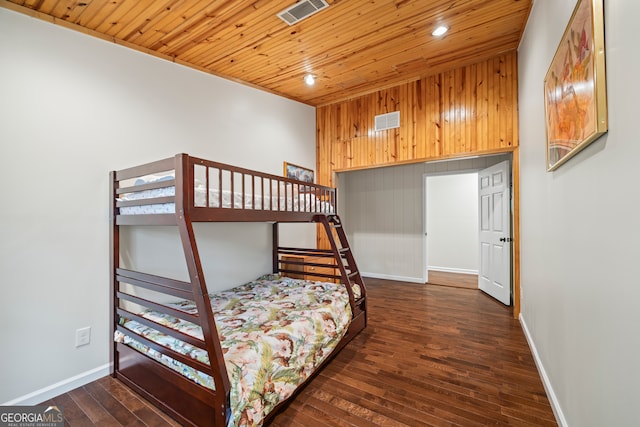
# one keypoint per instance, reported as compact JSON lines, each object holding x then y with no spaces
{"x":441,"y":30}
{"x":310,"y":79}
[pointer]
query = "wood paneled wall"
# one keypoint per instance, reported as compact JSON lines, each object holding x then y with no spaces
{"x":466,"y":111}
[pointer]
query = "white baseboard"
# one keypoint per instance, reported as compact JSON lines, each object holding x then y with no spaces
{"x":553,"y":399}
{"x":49,"y":392}
{"x":452,"y":270}
{"x":392,"y":277}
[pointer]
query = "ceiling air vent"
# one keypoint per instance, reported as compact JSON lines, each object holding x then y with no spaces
{"x":387,"y":121}
{"x":301,"y":10}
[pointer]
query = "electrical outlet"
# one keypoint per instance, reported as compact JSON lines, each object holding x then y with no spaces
{"x":83,"y":336}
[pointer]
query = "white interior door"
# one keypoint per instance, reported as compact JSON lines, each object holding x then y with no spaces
{"x":495,"y":232}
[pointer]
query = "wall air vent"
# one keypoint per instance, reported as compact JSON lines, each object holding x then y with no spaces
{"x":301,"y":10}
{"x":387,"y":121}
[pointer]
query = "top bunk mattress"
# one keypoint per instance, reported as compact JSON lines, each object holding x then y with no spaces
{"x":280,"y":197}
{"x":215,"y":185}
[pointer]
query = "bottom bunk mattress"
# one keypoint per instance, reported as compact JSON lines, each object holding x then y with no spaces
{"x":274,"y":332}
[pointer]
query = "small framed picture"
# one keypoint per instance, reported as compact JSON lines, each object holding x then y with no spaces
{"x":298,"y":173}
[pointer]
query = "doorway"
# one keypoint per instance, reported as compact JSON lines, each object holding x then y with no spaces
{"x":452,"y":229}
{"x":468,"y":228}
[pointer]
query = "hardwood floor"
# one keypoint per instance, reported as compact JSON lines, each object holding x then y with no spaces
{"x":108,"y":402}
{"x":430,"y":356}
{"x":456,"y":280}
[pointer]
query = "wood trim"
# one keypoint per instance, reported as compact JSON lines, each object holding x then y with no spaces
{"x":515,"y":164}
{"x":424,"y":160}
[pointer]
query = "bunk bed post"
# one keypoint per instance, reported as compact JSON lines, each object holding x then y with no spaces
{"x":276,"y":245}
{"x":114,"y":261}
{"x":184,"y":193}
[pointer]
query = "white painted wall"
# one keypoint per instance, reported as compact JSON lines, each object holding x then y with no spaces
{"x":73,"y":107}
{"x":580,"y":231}
{"x":383,"y":220}
{"x":452,"y":223}
{"x":383,"y":212}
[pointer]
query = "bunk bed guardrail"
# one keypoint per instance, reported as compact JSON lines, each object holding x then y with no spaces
{"x":214,"y":191}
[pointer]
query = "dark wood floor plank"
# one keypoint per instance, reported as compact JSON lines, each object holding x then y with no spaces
{"x":380,"y":402}
{"x":113,"y":405}
{"x":359,"y":414}
{"x":94,"y":410}
{"x":436,"y":356}
{"x":400,"y":397}
{"x":73,"y":414}
{"x":138,"y":406}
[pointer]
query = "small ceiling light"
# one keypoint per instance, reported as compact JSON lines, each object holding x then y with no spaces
{"x":440,"y":31}
{"x":310,"y":79}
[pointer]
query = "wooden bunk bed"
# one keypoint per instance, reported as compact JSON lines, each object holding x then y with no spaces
{"x":179,"y":191}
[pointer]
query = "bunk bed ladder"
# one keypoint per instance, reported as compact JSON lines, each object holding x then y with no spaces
{"x":344,"y":257}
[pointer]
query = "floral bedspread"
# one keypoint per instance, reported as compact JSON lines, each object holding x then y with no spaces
{"x":273,"y":331}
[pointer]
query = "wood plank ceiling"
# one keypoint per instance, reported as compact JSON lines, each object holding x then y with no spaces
{"x":354,"y":47}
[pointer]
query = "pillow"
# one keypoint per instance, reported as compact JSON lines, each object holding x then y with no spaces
{"x":147,"y":179}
